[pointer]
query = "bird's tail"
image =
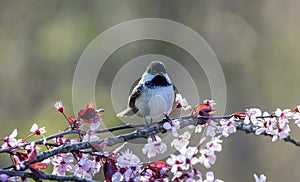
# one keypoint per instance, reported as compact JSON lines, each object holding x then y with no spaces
{"x":129,"y":112}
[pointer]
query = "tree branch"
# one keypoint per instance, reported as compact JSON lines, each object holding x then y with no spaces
{"x":156,"y":128}
{"x":47,"y":176}
{"x":249,"y":129}
{"x":110,"y":141}
{"x":142,"y":133}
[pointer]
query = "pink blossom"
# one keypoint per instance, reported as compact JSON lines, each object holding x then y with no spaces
{"x":117,"y":177}
{"x":183,"y":162}
{"x":214,"y":144}
{"x":266,"y":125}
{"x":154,"y":147}
{"x":297,"y":122}
{"x":282,"y":129}
{"x":182,"y":102}
{"x":61,"y":164}
{"x":128,"y":159}
{"x":181,"y":141}
{"x":129,"y":163}
{"x":86,"y":168}
{"x":147,"y":176}
{"x":281,"y":132}
{"x":96,"y":121}
{"x":194,"y":176}
{"x":207,"y":157}
{"x":178,"y":164}
{"x":296,"y":117}
{"x":251,"y":115}
{"x":278,"y":128}
{"x":190,"y":154}
{"x":228,"y":127}
{"x":198,"y":128}
{"x":211,"y":129}
{"x":90,"y":136}
{"x":131,"y":174}
{"x":11,"y":141}
{"x":38,"y":131}
{"x":211,"y":178}
{"x":5,"y":177}
{"x":284,"y":114}
{"x":173,"y":125}
{"x":59,"y":106}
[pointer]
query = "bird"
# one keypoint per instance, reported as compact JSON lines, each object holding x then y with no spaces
{"x":153,"y":96}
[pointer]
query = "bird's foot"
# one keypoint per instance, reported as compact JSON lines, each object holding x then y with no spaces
{"x":146,"y":123}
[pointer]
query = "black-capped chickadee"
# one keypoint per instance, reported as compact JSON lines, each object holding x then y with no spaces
{"x":154,"y":94}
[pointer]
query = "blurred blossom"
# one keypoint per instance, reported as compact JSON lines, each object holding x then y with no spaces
{"x":251,"y":115}
{"x":261,"y":178}
{"x":211,"y":129}
{"x":211,"y":178}
{"x":90,"y":136}
{"x":152,"y":148}
{"x":86,"y":168}
{"x":59,"y":106}
{"x":181,"y":141}
{"x":129,"y":164}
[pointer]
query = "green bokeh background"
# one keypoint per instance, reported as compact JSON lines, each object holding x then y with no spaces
{"x":257,"y":44}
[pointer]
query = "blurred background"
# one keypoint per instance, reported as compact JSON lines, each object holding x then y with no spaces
{"x":256,"y":43}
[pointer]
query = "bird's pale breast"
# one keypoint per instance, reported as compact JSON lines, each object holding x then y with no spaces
{"x":155,"y":102}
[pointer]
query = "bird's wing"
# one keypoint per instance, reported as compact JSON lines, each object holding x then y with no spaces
{"x":137,"y":91}
{"x":175,"y":91}
{"x":132,"y":110}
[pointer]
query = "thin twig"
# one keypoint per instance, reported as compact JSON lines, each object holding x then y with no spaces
{"x":9,"y":150}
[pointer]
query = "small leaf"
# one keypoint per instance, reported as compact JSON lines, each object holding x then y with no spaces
{"x":87,"y":113}
{"x":239,"y":115}
{"x":159,"y":164}
{"x":39,"y":165}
